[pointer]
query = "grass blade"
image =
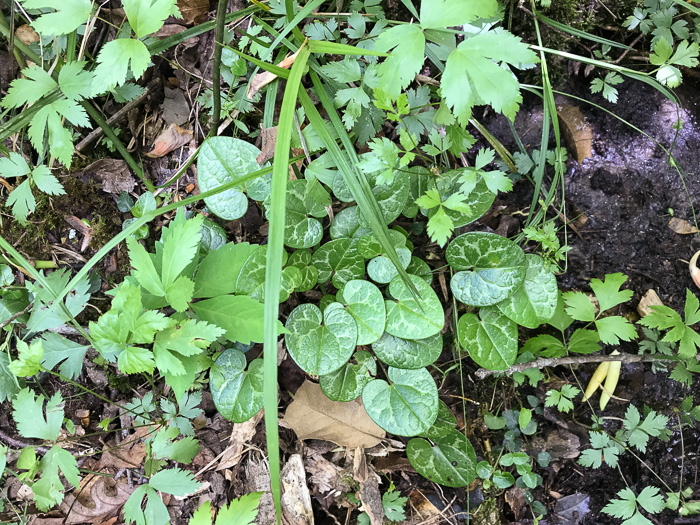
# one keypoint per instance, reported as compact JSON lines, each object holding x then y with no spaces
{"x":273,"y":268}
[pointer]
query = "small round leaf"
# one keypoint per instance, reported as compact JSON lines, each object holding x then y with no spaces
{"x":407,"y":318}
{"x":237,"y":392}
{"x":406,"y":407}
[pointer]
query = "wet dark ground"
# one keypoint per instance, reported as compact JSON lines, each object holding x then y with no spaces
{"x":628,"y":192}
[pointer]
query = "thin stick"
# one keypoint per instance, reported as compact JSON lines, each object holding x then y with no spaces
{"x":216,"y":70}
{"x":578,"y":360}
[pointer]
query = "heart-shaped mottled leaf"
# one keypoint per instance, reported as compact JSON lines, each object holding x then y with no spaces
{"x":321,"y":344}
{"x":408,"y":353}
{"x":491,"y":339}
{"x":535,"y":301}
{"x":301,"y":259}
{"x":450,"y":461}
{"x":346,"y":383}
{"x":251,"y":278}
{"x":302,"y":228}
{"x":479,"y":200}
{"x":406,"y":407}
{"x":419,"y":267}
{"x":492,"y":268}
{"x":407,"y":318}
{"x":339,"y":260}
{"x":213,"y":237}
{"x":237,"y":392}
{"x":345,"y":223}
{"x":222,"y":160}
{"x":381,"y":270}
{"x":444,"y":423}
{"x":369,"y":247}
{"x":365,"y":303}
{"x":391,"y":198}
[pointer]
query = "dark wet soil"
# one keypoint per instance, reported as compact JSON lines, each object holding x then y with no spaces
{"x":628,"y":192}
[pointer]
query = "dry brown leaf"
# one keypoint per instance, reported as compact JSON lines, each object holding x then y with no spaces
{"x":313,"y":416}
{"x":577,"y":133}
{"x":264,"y":78}
{"x":172,"y":138}
{"x":241,"y":434}
{"x":169,"y":30}
{"x":26,"y":34}
{"x":650,"y":298}
{"x":193,"y":10}
{"x":296,"y":500}
{"x":425,"y":511}
{"x":113,"y":176}
{"x":269,"y":140}
{"x":129,"y":455}
{"x":99,"y":499}
{"x":371,"y":500}
{"x":515,"y":497}
{"x":681,"y":226}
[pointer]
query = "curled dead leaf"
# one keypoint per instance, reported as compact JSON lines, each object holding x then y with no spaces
{"x":694,"y":272}
{"x":577,"y":133}
{"x":264,"y":78}
{"x":649,"y":299}
{"x":169,"y":140}
{"x":26,"y":34}
{"x":681,"y":226}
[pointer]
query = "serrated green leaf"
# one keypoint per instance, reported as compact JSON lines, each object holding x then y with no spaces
{"x":148,"y":16}
{"x":237,"y":392}
{"x":491,"y":339}
{"x":58,"y":349}
{"x":579,"y":306}
{"x":28,"y":413}
{"x":38,"y":83}
{"x":116,"y":59}
{"x":613,"y":328}
{"x":174,"y":481}
{"x":472,"y":75}
{"x":164,"y":446}
{"x":608,"y":291}
{"x":406,"y":407}
{"x":492,"y":268}
{"x":180,"y":245}
{"x":28,"y":360}
{"x":134,"y":359}
{"x":66,"y":18}
{"x":22,"y":201}
{"x":242,"y":511}
{"x":407,"y":44}
{"x":48,"y":491}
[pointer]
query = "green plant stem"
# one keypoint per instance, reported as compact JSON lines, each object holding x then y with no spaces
{"x":216,"y":69}
{"x":86,"y":389}
{"x":273,"y":269}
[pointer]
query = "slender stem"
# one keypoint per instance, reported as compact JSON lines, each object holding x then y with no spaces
{"x":216,"y":70}
{"x":78,"y":385}
{"x":577,"y":360}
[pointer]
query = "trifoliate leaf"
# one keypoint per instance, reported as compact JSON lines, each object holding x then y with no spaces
{"x":174,"y":481}
{"x":147,"y":16}
{"x":407,"y":44}
{"x":28,"y":413}
{"x":115,"y":59}
{"x":472,"y":77}
{"x":38,"y":83}
{"x":29,"y":357}
{"x":164,"y":446}
{"x":46,"y":182}
{"x":68,"y":15}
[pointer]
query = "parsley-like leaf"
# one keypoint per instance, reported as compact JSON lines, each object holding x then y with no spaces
{"x":28,"y":413}
{"x":29,"y":356}
{"x":148,"y":16}
{"x":608,"y":291}
{"x":67,"y":17}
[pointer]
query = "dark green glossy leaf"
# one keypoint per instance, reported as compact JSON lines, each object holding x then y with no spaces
{"x":491,"y":340}
{"x":408,"y":353}
{"x":346,"y":383}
